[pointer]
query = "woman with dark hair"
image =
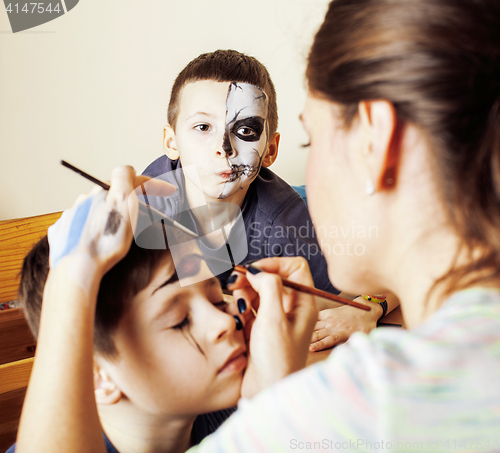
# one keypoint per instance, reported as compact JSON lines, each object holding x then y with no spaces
{"x":403,"y":114}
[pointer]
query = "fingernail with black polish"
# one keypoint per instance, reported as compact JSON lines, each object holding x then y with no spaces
{"x":232,"y":279}
{"x":239,"y":324}
{"x":242,"y":305}
{"x":253,"y":270}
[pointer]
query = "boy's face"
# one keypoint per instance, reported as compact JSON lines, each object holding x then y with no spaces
{"x":179,"y":353}
{"x":222,"y":128}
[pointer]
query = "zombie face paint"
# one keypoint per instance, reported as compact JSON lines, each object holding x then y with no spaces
{"x":246,"y":134}
{"x":222,"y":129}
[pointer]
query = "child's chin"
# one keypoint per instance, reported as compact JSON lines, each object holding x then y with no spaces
{"x":233,"y":189}
{"x":233,"y":394}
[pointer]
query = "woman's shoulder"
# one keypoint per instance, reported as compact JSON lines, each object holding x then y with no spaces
{"x":456,"y":346}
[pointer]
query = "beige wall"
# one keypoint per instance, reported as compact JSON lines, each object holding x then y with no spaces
{"x":92,"y":86}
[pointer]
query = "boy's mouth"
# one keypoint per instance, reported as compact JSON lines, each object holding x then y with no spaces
{"x":238,"y":171}
{"x":226,"y":175}
{"x":237,"y":361}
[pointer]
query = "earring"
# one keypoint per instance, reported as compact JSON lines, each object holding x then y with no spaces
{"x":370,"y":188}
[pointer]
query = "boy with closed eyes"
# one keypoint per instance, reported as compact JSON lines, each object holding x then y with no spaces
{"x":159,"y":349}
{"x":223,"y":122}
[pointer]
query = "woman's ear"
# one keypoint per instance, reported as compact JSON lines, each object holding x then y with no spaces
{"x":169,"y":143}
{"x":272,"y":150}
{"x":382,"y":148}
{"x":105,"y":389}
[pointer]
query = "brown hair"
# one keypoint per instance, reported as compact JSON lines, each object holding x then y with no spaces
{"x":225,"y":66}
{"x":438,"y":63}
{"x":118,"y":287}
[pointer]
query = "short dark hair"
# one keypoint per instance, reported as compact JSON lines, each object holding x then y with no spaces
{"x":225,"y":66}
{"x":120,"y":284}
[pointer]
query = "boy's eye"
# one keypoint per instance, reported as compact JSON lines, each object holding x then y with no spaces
{"x":246,"y":132}
{"x":202,"y":127}
{"x":182,"y":324}
{"x":249,"y":129}
{"x":221,"y":305}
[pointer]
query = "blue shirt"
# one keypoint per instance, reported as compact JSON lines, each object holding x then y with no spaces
{"x":204,"y":425}
{"x":276,"y":221}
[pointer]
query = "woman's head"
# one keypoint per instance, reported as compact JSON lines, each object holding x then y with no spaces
{"x":437,"y":63}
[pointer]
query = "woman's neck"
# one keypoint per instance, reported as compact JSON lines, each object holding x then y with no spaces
{"x":418,"y":241}
{"x":133,"y":432}
{"x":414,"y":276}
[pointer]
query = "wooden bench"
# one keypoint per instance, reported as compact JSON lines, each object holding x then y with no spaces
{"x":17,"y":345}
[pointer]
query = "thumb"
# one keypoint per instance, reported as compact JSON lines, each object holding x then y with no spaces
{"x":270,"y":290}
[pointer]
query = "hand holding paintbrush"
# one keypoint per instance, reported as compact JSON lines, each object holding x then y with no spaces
{"x":146,"y":208}
{"x":278,"y":337}
{"x":306,"y":289}
{"x":166,"y":188}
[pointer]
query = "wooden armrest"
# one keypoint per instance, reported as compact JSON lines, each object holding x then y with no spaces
{"x":15,"y":337}
{"x":15,"y":375}
{"x":17,"y":237}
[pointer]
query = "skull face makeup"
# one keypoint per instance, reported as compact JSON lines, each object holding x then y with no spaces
{"x":222,"y":130}
{"x":246,"y":135}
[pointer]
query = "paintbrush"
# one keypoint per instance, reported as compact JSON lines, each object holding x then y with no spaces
{"x":242,"y":269}
{"x":305,"y":289}
{"x":142,"y":206}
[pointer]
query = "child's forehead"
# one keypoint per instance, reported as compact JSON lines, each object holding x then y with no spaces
{"x":245,"y":99}
{"x":212,"y":97}
{"x":203,"y":96}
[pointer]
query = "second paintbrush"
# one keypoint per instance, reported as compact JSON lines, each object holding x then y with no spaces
{"x":306,"y":289}
{"x":142,"y":206}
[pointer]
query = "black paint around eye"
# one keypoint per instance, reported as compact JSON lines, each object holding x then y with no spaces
{"x":256,"y":123}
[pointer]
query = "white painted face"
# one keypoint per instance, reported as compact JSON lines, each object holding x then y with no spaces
{"x":246,"y":135}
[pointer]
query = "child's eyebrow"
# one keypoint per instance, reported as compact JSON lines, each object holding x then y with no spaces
{"x":237,"y":119}
{"x":201,"y":113}
{"x":174,"y":278}
{"x":168,"y":304}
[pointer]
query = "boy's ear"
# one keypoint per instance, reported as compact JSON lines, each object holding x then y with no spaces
{"x":169,"y":143}
{"x":105,"y":389}
{"x":272,"y":150}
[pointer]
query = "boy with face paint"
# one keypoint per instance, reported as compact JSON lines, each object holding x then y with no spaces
{"x":222,"y":122}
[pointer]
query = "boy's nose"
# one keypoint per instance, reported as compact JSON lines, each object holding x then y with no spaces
{"x":222,"y":325}
{"x":227,"y":150}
